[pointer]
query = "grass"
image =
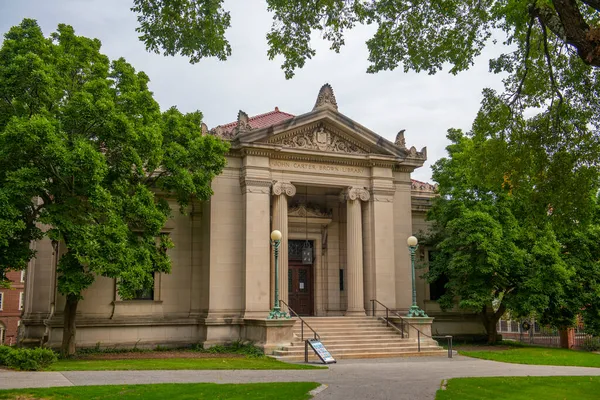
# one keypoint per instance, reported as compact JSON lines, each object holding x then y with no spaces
{"x":522,"y":388}
{"x":257,"y":363}
{"x":171,"y":391}
{"x":537,"y":356}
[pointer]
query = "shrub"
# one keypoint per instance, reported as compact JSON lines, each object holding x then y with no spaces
{"x":4,"y":350}
{"x":237,"y":348}
{"x":29,"y":359}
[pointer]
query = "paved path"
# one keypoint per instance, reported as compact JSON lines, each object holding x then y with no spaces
{"x":399,"y":378}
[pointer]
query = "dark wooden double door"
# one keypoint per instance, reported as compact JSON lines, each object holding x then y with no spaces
{"x":300,"y":287}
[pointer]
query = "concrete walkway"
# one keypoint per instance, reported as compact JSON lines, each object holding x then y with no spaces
{"x":398,"y":378}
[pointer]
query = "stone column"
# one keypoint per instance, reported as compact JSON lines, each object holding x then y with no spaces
{"x":354,"y":245}
{"x":281,"y":191}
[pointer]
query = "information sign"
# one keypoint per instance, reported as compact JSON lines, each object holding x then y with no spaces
{"x":321,"y":351}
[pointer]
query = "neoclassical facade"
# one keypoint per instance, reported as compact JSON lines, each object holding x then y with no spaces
{"x":341,"y":195}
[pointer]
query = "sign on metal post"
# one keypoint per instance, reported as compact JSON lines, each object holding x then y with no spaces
{"x":321,"y":351}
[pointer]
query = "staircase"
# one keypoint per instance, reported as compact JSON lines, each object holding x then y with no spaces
{"x":356,"y":337}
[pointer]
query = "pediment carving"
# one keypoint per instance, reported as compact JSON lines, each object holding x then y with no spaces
{"x":320,"y":139}
{"x":304,"y":211}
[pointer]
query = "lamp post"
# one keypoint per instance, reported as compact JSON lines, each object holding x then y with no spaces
{"x":276,"y":312}
{"x":414,"y":310}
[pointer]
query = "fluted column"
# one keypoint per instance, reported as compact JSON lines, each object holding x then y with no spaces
{"x":281,"y":192}
{"x":354,"y":245}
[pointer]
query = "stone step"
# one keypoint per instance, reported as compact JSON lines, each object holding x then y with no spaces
{"x":342,"y":348}
{"x":355,"y":337}
{"x":391,"y":335}
{"x":348,"y":331}
{"x":386,"y":354}
{"x":350,"y":342}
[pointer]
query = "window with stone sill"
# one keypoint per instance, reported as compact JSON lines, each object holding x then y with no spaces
{"x":1,"y":300}
{"x":149,"y":293}
{"x":21,"y":300}
{"x":146,"y":293}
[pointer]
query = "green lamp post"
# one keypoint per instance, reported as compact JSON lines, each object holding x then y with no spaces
{"x":414,"y":311}
{"x":276,"y":312}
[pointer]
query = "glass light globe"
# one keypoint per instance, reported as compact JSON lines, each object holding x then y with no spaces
{"x":412,"y":241}
{"x":275,"y":235}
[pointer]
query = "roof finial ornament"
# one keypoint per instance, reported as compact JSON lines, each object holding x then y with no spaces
{"x":243,"y":123}
{"x":326,"y":98}
{"x":400,"y":141}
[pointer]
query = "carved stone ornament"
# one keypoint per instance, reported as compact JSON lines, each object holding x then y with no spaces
{"x":413,"y":153}
{"x":323,"y":140}
{"x":400,"y":141}
{"x":307,"y":211}
{"x":326,"y":98}
{"x":243,"y":123}
{"x":255,"y":186}
{"x":355,"y":193}
{"x":286,"y":188}
{"x":221,"y":133}
{"x":423,"y":186}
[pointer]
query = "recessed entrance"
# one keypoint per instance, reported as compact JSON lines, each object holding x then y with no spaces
{"x":300,"y":279}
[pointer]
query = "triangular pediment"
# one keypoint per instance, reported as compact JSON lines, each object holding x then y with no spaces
{"x":322,"y":130}
{"x":320,"y":137}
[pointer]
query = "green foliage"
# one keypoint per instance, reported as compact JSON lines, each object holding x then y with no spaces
{"x":538,"y":356}
{"x":84,"y":150}
{"x":4,"y":352}
{"x":27,"y":359}
{"x":237,"y":347}
{"x":195,"y":29}
{"x":202,"y":363}
{"x":521,"y":388}
{"x":494,"y":240}
{"x":248,"y":391}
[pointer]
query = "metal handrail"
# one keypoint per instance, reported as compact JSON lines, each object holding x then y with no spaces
{"x":315,"y":334}
{"x":404,"y":321}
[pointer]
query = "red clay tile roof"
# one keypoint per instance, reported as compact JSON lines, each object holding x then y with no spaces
{"x":262,"y":120}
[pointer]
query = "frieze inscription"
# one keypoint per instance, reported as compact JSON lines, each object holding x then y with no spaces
{"x":319,"y":168}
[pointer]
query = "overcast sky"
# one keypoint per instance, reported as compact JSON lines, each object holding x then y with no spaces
{"x":426,"y":106}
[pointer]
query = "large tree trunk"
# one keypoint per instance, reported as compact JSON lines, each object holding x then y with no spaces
{"x":69,"y":326}
{"x":490,"y":322}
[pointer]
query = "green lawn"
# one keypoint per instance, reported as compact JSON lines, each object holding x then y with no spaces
{"x":175,"y":363}
{"x":171,"y":391}
{"x":522,"y":388}
{"x":538,"y":356}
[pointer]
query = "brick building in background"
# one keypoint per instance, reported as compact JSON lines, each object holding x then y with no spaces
{"x":11,"y":307}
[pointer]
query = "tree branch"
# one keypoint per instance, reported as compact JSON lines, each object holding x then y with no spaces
{"x":595,"y":4}
{"x":577,"y":32}
{"x":527,"y":47}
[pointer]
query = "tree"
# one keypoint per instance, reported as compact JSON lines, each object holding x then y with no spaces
{"x":496,"y":240}
{"x":581,"y":296}
{"x":551,"y":59}
{"x":84,"y":153}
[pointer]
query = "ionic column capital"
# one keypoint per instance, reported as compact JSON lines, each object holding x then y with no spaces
{"x":355,"y":193}
{"x":281,"y":187}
